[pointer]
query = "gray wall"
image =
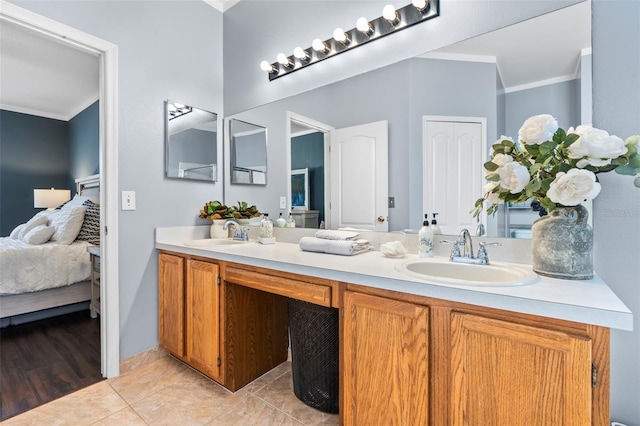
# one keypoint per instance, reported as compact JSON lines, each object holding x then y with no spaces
{"x":558,"y":99}
{"x":616,"y":108}
{"x":34,"y":154}
{"x":84,"y":144}
{"x":157,"y":41}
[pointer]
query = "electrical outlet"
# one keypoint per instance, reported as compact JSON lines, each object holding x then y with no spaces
{"x":392,"y":202}
{"x":283,"y":202}
{"x":128,"y":200}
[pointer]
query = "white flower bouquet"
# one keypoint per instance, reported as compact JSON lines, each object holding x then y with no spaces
{"x":553,"y":166}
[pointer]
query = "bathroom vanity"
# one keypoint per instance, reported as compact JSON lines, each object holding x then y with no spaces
{"x":411,"y":352}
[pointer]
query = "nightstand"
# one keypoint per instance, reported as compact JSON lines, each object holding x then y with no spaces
{"x":94,"y":305}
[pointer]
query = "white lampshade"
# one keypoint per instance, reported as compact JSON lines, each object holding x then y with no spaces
{"x":50,"y":198}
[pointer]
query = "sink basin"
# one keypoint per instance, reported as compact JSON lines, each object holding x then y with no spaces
{"x":214,"y":242}
{"x":447,"y":272}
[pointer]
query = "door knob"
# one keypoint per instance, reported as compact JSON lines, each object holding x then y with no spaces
{"x":380,"y":219}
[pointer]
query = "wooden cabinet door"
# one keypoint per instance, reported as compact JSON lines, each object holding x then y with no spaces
{"x":504,"y":373}
{"x":385,"y":361}
{"x":171,"y":303}
{"x":203,"y":317}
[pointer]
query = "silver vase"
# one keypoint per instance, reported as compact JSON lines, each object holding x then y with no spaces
{"x":562,"y":244}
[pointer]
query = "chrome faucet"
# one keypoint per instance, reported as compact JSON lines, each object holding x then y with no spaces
{"x":239,"y":233}
{"x":466,"y":256}
{"x":464,"y":239}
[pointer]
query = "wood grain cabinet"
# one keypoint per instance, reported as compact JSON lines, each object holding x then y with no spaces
{"x":505,"y":373}
{"x":386,"y":361}
{"x":411,"y":360}
{"x":189,"y":312}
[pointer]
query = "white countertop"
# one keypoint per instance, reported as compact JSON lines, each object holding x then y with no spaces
{"x":585,"y":301}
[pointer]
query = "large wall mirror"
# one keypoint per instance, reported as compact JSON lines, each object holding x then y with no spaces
{"x":248,"y":153}
{"x":477,"y":78}
{"x":191,"y":136}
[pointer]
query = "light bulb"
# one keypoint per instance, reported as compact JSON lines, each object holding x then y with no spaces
{"x":389,"y":13}
{"x":282,"y":59}
{"x":341,"y":37}
{"x":266,"y":66}
{"x":363,"y":25}
{"x":300,"y":53}
{"x":171,"y":107}
{"x":319,"y":46}
{"x":420,"y":4}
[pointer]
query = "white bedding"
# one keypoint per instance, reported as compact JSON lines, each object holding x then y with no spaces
{"x":26,"y":268}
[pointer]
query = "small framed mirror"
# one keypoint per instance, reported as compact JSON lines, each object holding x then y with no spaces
{"x":191,"y":141}
{"x":248,"y":153}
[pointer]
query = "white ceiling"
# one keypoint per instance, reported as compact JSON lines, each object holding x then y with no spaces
{"x":41,"y":76}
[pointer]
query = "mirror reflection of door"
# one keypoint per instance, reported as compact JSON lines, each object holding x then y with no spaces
{"x":248,"y":153}
{"x":454,"y":149}
{"x":360,"y":188}
{"x":308,"y":173}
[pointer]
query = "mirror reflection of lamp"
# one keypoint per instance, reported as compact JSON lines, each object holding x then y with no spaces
{"x":50,"y":198}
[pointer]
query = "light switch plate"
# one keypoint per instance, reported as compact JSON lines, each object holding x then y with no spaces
{"x":392,"y":202}
{"x":283,"y":202}
{"x":128,"y":200}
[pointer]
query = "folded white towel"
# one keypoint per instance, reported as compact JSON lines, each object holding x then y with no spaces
{"x":329,"y":234}
{"x":342,"y":247}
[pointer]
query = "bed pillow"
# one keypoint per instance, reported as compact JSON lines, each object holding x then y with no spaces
{"x":67,"y":223}
{"x":78,"y":201}
{"x":37,"y":220}
{"x":15,"y":234}
{"x":90,"y":230}
{"x":39,"y":235}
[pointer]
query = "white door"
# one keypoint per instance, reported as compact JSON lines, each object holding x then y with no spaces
{"x":454,"y":150}
{"x":359,"y":177}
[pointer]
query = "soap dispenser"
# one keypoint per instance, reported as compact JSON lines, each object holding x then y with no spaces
{"x":280,"y":222}
{"x":425,"y":239}
{"x":434,"y":225}
{"x":266,"y":231}
{"x":291,"y":223}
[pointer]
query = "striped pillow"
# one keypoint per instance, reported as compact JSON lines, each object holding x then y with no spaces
{"x":90,"y":230}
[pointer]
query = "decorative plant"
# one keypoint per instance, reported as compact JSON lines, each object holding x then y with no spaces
{"x":555,"y":167}
{"x":215,"y":210}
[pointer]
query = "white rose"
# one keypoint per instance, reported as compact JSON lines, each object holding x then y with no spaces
{"x":501,"y":159}
{"x":514,"y":177}
{"x":490,"y":196}
{"x":573,"y":187}
{"x":595,"y":147}
{"x":538,"y":129}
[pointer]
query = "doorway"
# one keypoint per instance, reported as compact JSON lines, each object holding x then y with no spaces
{"x":107,"y":54}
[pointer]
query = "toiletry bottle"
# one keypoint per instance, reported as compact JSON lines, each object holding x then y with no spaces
{"x":266,"y":227}
{"x":280,"y":222}
{"x":434,"y":225}
{"x":291,"y":223}
{"x":425,"y":239}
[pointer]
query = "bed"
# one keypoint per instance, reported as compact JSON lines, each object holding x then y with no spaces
{"x":39,"y":277}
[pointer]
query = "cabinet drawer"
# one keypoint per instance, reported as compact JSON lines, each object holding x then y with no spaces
{"x":288,"y":287}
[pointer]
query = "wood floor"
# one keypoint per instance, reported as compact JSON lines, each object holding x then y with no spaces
{"x":47,"y":359}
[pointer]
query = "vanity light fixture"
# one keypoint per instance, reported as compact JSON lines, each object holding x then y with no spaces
{"x":175,"y":110}
{"x":389,"y":13}
{"x":285,"y":60}
{"x":341,"y":37}
{"x":320,"y":46}
{"x":301,"y":54}
{"x":420,"y":5}
{"x":364,"y":26}
{"x":392,"y":20}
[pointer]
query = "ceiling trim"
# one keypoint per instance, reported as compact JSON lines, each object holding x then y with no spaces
{"x":540,"y":83}
{"x":35,"y":112}
{"x":221,"y":5}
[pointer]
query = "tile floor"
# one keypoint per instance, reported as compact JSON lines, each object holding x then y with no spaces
{"x":155,"y":389}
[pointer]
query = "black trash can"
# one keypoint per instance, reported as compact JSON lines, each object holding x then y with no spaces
{"x":314,"y":354}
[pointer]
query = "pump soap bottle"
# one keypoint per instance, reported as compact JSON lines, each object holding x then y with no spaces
{"x":434,"y":225}
{"x":425,"y":239}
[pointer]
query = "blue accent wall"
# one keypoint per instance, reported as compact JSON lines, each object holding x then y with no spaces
{"x":307,"y":151}
{"x":84,"y":144}
{"x":38,"y":152}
